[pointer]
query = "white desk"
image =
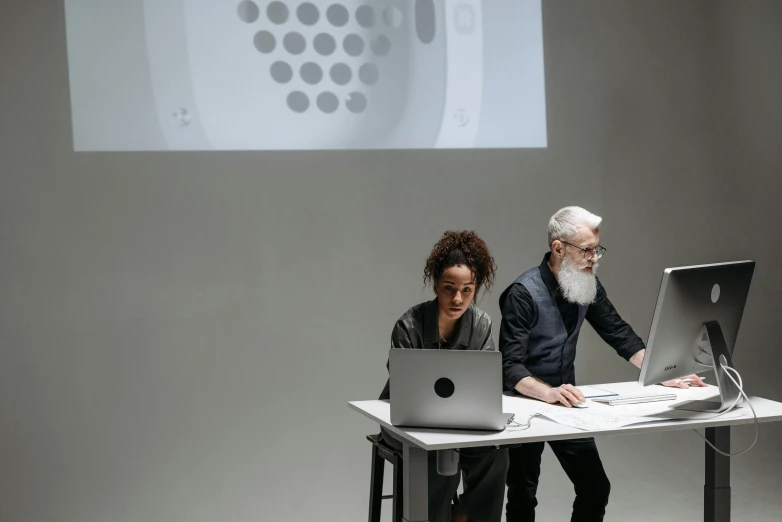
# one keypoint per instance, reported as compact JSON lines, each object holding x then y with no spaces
{"x":417,"y":442}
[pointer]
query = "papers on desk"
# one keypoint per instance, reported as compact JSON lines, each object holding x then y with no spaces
{"x":594,"y":418}
{"x":600,"y":416}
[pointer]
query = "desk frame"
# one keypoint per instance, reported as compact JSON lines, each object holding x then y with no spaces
{"x":716,"y":490}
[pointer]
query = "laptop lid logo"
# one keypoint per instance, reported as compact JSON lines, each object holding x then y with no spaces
{"x":444,"y":387}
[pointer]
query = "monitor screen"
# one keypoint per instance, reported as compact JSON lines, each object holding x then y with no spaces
{"x":696,"y":321}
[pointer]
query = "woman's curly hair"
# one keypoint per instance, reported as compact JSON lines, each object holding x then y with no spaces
{"x":461,"y":248}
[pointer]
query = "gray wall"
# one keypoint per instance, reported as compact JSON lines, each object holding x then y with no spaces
{"x":179,"y":333}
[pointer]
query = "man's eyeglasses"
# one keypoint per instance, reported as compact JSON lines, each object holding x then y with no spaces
{"x":589,"y":252}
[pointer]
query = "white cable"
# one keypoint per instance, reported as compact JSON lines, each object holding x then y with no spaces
{"x":517,"y":426}
{"x":730,"y":408}
{"x":740,"y":386}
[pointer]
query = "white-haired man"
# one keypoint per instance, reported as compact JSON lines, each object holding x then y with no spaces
{"x":542,"y":314}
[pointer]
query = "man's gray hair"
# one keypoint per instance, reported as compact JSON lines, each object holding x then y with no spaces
{"x":565,"y":223}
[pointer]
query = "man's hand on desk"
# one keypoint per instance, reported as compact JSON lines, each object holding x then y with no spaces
{"x":567,"y":395}
{"x":685,"y":382}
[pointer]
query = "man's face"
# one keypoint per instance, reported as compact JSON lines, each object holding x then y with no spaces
{"x":576,"y":275}
{"x":588,"y":238}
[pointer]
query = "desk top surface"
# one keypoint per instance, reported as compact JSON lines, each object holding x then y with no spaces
{"x":542,"y":429}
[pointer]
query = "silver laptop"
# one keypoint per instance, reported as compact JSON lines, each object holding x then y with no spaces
{"x":459,"y":389}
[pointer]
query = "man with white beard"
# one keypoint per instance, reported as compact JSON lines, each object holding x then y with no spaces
{"x":542,"y":314}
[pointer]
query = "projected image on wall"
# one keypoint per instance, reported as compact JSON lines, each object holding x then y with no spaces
{"x":317,"y":75}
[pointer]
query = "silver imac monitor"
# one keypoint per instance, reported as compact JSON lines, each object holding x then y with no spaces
{"x":695,"y":326}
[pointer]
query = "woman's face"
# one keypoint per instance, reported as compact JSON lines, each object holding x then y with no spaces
{"x":455,"y":291}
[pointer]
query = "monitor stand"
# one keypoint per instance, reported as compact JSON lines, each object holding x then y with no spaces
{"x":713,"y":341}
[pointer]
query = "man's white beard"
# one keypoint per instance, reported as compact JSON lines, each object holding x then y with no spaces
{"x":578,"y":286}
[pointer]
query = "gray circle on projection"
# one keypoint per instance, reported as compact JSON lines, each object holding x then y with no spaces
{"x":392,"y":17}
{"x":328,"y":102}
{"x":281,"y":72}
{"x":311,"y":73}
{"x":365,"y":16}
{"x":353,"y":44}
{"x":368,"y":74}
{"x":294,"y":43}
{"x":298,"y":101}
{"x":340,"y":74}
{"x":264,"y":41}
{"x":356,"y":102}
{"x":248,"y":11}
{"x":324,"y":44}
{"x":182,"y":117}
{"x":337,"y":15}
{"x":308,"y":14}
{"x":381,"y":45}
{"x":715,"y":293}
{"x":277,"y":12}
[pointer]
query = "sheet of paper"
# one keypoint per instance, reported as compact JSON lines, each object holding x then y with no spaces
{"x":588,"y":419}
{"x":600,"y":416}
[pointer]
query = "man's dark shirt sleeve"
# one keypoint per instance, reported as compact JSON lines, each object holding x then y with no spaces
{"x":611,"y":327}
{"x":517,"y":319}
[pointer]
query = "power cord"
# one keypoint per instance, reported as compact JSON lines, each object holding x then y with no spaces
{"x":518,"y":426}
{"x":740,"y":386}
{"x":511,"y":426}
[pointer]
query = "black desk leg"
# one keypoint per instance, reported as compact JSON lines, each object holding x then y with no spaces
{"x":716,"y":491}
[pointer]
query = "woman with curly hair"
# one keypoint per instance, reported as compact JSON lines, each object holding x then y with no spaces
{"x":458,"y":268}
